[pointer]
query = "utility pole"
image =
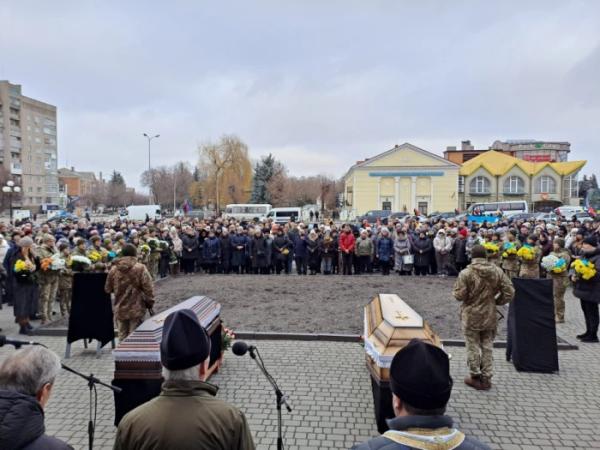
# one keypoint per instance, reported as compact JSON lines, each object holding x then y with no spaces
{"x":150,"y":167}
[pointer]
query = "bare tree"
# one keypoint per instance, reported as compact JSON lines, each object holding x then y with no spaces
{"x":226,"y":168}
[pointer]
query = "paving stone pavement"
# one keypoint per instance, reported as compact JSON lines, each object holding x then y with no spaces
{"x":330,"y":392}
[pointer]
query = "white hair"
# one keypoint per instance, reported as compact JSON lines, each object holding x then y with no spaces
{"x":27,"y":371}
{"x":189,"y":374}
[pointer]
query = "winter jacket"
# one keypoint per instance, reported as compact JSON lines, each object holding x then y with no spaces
{"x":300,"y":247}
{"x":476,"y":288}
{"x":329,"y":248}
{"x":258,"y":252}
{"x":186,"y":415}
{"x":132,"y":286}
{"x":346,"y":242}
{"x":385,"y":248}
{"x":211,"y":250}
{"x":22,"y":424}
{"x":281,"y":247}
{"x":432,"y":431}
{"x":313,"y":247}
{"x":226,"y":250}
{"x":459,"y":251}
{"x":363,"y":247}
{"x":190,"y":246}
{"x":589,"y":290}
{"x":239,"y":248}
{"x":442,"y":244}
{"x":422,"y":251}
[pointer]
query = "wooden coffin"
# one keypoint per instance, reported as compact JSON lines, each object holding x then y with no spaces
{"x":390,"y":324}
{"x":138,"y":356}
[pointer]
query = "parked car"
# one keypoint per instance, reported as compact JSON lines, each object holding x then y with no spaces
{"x":397,"y":216}
{"x":373,"y":215}
{"x":437,"y":216}
{"x":63,"y":216}
{"x":547,"y":217}
{"x":522,"y":216}
{"x":568,"y":211}
{"x":582,"y":217}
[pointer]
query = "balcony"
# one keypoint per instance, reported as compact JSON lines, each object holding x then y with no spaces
{"x":16,"y":169}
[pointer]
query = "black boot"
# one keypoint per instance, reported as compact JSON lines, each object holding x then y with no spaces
{"x":26,"y":331}
{"x":583,"y":335}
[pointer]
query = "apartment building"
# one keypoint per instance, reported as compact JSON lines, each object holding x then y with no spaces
{"x":28,"y":146}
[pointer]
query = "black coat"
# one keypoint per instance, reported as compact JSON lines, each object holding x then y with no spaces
{"x":280,"y":245}
{"x":589,"y":290}
{"x":226,"y":250}
{"x":191,"y":249}
{"x":22,"y":424}
{"x":422,"y":250}
{"x":258,"y":252}
{"x":459,"y":251}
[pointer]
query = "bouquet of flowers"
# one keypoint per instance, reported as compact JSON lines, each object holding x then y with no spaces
{"x":111,"y":255}
{"x":80,"y":263}
{"x":549,"y":262}
{"x":54,"y":262}
{"x":163,"y":245}
{"x":95,"y":256}
{"x":526,"y":253}
{"x":227,"y":338}
{"x":510,"y":249}
{"x":561,"y":266}
{"x":491,"y":248}
{"x":145,"y":248}
{"x":24,"y":269}
{"x":584,"y":268}
{"x":154,"y":245}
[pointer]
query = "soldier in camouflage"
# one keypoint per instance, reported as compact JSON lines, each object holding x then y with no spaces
{"x":48,"y":279}
{"x":530,"y":268}
{"x":480,"y":288}
{"x":65,"y":282}
{"x":560,"y":280}
{"x":510,"y":265}
{"x":133,"y":290}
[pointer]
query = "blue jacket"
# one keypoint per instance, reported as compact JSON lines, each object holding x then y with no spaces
{"x":398,"y":425}
{"x":300,"y":247}
{"x":385,"y":248}
{"x":211,"y":250}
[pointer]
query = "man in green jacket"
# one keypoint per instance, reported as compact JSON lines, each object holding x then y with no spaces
{"x":186,"y":415}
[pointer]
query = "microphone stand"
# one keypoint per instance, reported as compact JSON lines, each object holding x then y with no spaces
{"x":92,"y":382}
{"x":280,"y":397}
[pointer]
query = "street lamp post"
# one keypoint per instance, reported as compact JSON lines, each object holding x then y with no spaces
{"x":9,"y":188}
{"x":149,"y":166}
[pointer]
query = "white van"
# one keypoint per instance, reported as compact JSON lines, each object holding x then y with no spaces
{"x":246,"y":211}
{"x":284,"y":215}
{"x":139,"y":212}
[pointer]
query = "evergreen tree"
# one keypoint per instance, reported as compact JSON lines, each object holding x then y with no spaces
{"x":264,"y":171}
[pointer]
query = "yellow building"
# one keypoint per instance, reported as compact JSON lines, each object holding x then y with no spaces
{"x":497,"y":177}
{"x":404,"y":178}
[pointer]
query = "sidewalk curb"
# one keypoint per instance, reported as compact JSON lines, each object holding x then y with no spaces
{"x":563,"y":343}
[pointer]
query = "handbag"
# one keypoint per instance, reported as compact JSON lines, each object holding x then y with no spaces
{"x":408,"y":259}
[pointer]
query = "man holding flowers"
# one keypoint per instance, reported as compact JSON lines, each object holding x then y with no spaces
{"x":48,"y":276}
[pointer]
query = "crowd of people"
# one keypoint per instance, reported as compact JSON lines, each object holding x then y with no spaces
{"x":40,"y":259}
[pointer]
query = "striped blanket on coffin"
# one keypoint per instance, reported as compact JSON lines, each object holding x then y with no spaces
{"x":138,"y":356}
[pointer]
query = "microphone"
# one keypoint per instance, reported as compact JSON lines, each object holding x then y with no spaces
{"x":240,"y":348}
{"x":17,"y":344}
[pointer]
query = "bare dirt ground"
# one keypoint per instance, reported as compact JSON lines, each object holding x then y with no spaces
{"x":313,"y":304}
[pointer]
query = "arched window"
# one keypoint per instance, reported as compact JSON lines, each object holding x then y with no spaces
{"x":479,"y":185}
{"x":545,"y":185}
{"x":514,"y":185}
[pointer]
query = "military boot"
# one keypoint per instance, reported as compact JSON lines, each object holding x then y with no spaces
{"x":486,"y":384}
{"x":474,"y":381}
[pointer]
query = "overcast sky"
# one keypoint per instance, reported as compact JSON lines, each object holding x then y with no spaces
{"x":320,"y":84}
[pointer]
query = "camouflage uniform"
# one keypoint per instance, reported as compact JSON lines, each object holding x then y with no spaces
{"x":65,"y":288}
{"x":560,"y":281}
{"x":48,"y":281}
{"x":132,"y":286}
{"x":510,"y":265}
{"x":476,"y":288}
{"x":531,"y":268}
